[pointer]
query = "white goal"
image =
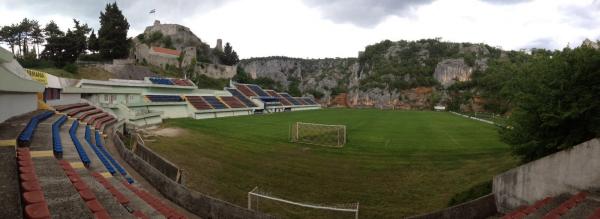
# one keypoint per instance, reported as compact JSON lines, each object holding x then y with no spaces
{"x":318,"y":134}
{"x":281,"y":208}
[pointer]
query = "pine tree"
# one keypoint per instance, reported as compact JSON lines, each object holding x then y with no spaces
{"x":93,"y":43}
{"x":112,"y":35}
{"x":229,"y":56}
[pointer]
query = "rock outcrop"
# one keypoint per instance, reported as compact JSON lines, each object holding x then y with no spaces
{"x":449,"y":71}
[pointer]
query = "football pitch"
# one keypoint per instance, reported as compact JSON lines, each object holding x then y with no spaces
{"x":395,"y":163}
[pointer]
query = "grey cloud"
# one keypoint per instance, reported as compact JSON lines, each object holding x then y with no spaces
{"x":587,"y":16}
{"x":546,"y":43}
{"x":364,"y":13}
{"x":368,"y":13}
{"x":136,"y":12}
{"x":505,"y":2}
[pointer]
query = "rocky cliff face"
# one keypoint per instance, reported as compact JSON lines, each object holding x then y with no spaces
{"x":387,"y":75}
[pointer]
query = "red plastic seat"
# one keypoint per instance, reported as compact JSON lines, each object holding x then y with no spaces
{"x":28,"y":169}
{"x":37,"y":211}
{"x":25,"y":163}
{"x":31,"y":186}
{"x":26,"y":177}
{"x":102,"y":215}
{"x":94,"y":205}
{"x":79,"y":186}
{"x":87,"y":195}
{"x":140,"y":214}
{"x":33,"y":197}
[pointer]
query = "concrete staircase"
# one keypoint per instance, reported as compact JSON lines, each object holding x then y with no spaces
{"x":584,"y":204}
{"x":39,"y":183}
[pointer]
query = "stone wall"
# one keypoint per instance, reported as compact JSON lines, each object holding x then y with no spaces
{"x":215,"y":71}
{"x":193,"y":201}
{"x":568,"y":171}
{"x":482,"y":207}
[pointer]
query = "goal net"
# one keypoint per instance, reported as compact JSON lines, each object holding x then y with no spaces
{"x":281,"y":208}
{"x":318,"y":134}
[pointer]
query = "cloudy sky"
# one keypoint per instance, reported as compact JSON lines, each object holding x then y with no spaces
{"x":339,"y":28}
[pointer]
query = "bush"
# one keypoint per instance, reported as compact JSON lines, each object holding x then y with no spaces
{"x":71,"y":67}
{"x":472,"y":193}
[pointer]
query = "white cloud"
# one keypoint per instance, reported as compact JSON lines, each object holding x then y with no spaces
{"x":293,"y":28}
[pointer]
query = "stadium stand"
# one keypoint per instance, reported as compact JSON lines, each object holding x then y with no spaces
{"x":245,"y":90}
{"x":154,"y":202}
{"x":162,"y":81}
{"x":281,"y":99}
{"x":69,"y":106}
{"x":56,"y":141}
{"x":258,"y":90}
{"x":100,"y":155}
{"x":25,"y":136}
{"x":232,"y":102}
{"x":181,"y":82}
{"x":33,"y":195}
{"x":164,"y":98}
{"x":85,"y":115}
{"x":82,"y":154}
{"x":241,"y":97}
{"x":309,"y":101}
{"x":78,"y":110}
{"x":103,"y":150}
{"x":198,"y":102}
{"x":290,"y":98}
{"x":214,"y":102}
{"x":300,"y":100}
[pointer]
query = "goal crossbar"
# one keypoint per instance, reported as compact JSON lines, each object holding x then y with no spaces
{"x":355,"y":210}
{"x":318,"y":134}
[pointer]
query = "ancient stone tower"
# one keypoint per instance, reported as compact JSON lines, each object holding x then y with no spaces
{"x":219,"y":45}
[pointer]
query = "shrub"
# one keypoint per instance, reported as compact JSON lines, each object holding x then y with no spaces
{"x":71,"y":67}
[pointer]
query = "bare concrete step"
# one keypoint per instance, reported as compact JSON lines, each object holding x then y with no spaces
{"x":63,"y":200}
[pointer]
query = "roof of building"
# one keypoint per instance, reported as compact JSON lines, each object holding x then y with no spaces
{"x":165,"y":51}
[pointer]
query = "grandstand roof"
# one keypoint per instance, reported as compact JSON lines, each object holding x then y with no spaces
{"x":165,"y":51}
{"x":13,"y":77}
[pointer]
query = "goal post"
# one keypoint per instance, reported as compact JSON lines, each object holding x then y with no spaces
{"x":318,"y":134}
{"x":256,"y":194}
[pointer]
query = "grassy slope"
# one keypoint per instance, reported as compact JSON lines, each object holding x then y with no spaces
{"x":396,"y":163}
{"x":83,"y":72}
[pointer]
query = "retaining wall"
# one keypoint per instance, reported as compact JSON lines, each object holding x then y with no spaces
{"x":568,"y":171}
{"x":195,"y":202}
{"x":161,"y":164}
{"x":482,"y":207}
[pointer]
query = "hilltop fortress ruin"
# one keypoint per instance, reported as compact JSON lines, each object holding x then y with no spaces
{"x":176,"y":46}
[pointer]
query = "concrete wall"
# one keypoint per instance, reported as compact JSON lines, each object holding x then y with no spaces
{"x":195,"y":202}
{"x":483,"y":207}
{"x":65,"y":99}
{"x":167,"y":168}
{"x":171,"y":111}
{"x":12,"y":104}
{"x":567,"y":171}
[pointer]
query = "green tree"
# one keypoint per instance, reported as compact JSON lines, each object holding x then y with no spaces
{"x":241,"y":76}
{"x":92,"y":43}
{"x":558,"y":105}
{"x":229,"y":56}
{"x":112,"y":35}
{"x":8,"y":35}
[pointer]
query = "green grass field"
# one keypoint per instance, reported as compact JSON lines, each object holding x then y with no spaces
{"x":396,"y":163}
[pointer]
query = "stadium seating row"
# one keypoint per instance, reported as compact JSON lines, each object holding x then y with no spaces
{"x":556,"y":212}
{"x":100,"y":155}
{"x":84,"y":191}
{"x":32,"y":194}
{"x":212,"y":102}
{"x":164,"y":98}
{"x":26,"y":135}
{"x":116,"y":164}
{"x":241,"y":97}
{"x":161,"y":207}
{"x":56,"y":141}
{"x":174,"y":81}
{"x":82,"y":154}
